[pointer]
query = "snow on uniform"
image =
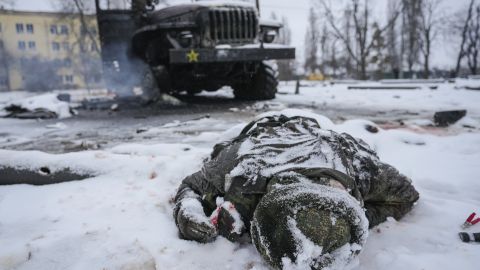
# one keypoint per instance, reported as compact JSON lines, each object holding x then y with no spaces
{"x":276,"y":152}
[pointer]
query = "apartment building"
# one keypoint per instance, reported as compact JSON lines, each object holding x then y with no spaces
{"x":40,"y":50}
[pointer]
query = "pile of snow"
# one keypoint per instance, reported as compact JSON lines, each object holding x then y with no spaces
{"x":47,"y":102}
{"x":468,"y":83}
{"x":122,"y":218}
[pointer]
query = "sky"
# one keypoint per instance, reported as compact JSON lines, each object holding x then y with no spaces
{"x":296,"y":11}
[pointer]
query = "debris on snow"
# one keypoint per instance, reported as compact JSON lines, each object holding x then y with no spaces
{"x":44,"y":106}
{"x":446,"y":118}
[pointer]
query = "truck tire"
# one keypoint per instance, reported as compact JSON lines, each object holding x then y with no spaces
{"x":262,"y":86}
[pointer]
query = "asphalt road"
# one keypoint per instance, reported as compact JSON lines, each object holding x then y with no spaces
{"x":97,"y":129}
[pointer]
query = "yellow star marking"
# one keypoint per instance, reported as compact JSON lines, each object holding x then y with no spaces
{"x":192,"y":56}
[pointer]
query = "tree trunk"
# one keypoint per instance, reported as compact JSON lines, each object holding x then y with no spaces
{"x":363,"y":69}
{"x":461,"y":54}
{"x":427,"y":56}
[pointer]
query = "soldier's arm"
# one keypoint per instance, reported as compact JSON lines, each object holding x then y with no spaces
{"x":391,"y":195}
{"x":189,"y":212}
{"x":196,"y":196}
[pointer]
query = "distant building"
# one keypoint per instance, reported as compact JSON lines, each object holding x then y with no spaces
{"x":41,"y":51}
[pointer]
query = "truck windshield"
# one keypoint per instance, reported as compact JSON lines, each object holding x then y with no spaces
{"x":127,"y":4}
{"x":225,"y":1}
{"x":115,"y":4}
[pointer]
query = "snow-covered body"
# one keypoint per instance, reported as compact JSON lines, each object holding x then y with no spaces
{"x":278,"y":151}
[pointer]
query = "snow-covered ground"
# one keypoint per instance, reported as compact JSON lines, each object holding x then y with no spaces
{"x":122,"y":218}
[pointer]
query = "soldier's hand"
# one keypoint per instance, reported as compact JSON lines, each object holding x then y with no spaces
{"x":196,"y":226}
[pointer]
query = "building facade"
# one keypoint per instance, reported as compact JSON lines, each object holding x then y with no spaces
{"x":44,"y":51}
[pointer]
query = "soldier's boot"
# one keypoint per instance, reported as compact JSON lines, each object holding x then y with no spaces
{"x":310,"y":226}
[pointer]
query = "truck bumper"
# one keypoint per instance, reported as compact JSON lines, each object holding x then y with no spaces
{"x":220,"y":55}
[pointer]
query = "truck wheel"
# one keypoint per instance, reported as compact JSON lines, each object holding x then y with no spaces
{"x":262,"y":86}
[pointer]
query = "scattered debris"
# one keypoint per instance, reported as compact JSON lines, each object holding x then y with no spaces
{"x":383,"y":87}
{"x":15,"y":111}
{"x":469,"y":237}
{"x":446,"y":118}
{"x":57,"y":126}
{"x":267,"y":106}
{"x":142,"y":130}
{"x":417,"y":143}
{"x":371,"y":129}
{"x":64,"y":97}
{"x":207,"y":116}
{"x":153,"y":175}
{"x":76,"y":146}
{"x":46,"y":106}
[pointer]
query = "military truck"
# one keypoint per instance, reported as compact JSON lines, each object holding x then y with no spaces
{"x":202,"y":45}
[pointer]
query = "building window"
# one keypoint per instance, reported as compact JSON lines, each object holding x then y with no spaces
{"x":64,"y":30}
{"x":3,"y":81}
{"x":53,"y":29}
{"x":69,"y":79}
{"x":67,"y":62}
{"x":19,"y":27}
{"x":66,"y":46}
{"x":21,"y":45}
{"x":30,"y":28}
{"x":32,"y":45}
{"x":55,"y":46}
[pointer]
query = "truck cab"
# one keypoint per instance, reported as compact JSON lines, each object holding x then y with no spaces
{"x":191,"y":47}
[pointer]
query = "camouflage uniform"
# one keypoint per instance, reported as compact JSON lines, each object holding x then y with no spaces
{"x":273,"y":158}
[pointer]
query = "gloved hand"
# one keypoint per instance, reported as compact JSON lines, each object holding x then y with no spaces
{"x":228,"y":221}
{"x":194,"y":224}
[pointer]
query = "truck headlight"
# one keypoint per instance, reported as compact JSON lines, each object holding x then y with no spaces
{"x":269,"y":36}
{"x":185,"y":39}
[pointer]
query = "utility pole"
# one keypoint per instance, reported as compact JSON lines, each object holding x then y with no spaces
{"x":258,"y":6}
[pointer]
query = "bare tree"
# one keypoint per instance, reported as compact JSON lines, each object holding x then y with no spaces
{"x":473,"y":42}
{"x":360,"y":49}
{"x":429,"y":28}
{"x":311,"y":42}
{"x":394,"y":55}
{"x":85,"y":47}
{"x":379,"y":55}
{"x":464,"y":31}
{"x":411,"y":18}
{"x":7,"y":4}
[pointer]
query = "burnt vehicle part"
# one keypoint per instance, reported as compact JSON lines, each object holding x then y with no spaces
{"x":193,"y":47}
{"x":123,"y":71}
